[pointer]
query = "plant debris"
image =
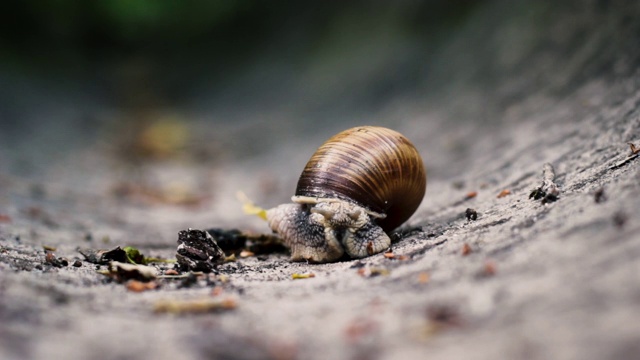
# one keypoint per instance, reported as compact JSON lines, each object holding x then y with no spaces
{"x":548,"y":191}
{"x":139,"y":286}
{"x":134,"y":256}
{"x":198,"y":251}
{"x":236,"y":241}
{"x":635,"y":152}
{"x":466,"y":249}
{"x":390,"y":255}
{"x":122,"y":272}
{"x":194,"y":306}
{"x":51,"y":259}
{"x":373,"y":271}
{"x":302,"y":276}
{"x":471,"y":214}
{"x":127,"y":254}
{"x":471,"y":195}
{"x":504,"y":193}
{"x":103,"y":257}
{"x":246,"y":253}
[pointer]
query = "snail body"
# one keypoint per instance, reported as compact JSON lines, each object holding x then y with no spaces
{"x":359,"y":185}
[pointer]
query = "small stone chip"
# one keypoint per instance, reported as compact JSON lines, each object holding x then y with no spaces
{"x":471,"y":214}
{"x":198,"y":251}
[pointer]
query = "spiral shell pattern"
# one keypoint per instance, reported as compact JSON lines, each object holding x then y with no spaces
{"x":373,"y":167}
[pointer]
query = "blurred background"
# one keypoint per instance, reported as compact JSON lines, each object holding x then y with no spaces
{"x":181,"y":104}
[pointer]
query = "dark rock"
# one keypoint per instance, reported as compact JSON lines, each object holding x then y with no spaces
{"x":198,"y":251}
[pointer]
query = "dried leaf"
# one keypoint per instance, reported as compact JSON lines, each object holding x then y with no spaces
{"x":103,"y":257}
{"x":249,"y":207}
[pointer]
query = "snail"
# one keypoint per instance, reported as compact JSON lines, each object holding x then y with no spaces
{"x":358,"y":186}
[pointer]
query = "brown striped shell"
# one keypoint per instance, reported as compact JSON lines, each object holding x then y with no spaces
{"x":373,"y":167}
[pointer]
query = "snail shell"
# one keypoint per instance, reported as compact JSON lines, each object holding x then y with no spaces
{"x":374,"y":167}
{"x":359,"y":185}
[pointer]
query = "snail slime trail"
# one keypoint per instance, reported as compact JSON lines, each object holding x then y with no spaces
{"x":359,"y":185}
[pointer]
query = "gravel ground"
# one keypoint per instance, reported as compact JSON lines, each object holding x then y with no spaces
{"x":507,"y":94}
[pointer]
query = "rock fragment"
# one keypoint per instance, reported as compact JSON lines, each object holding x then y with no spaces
{"x":198,"y":251}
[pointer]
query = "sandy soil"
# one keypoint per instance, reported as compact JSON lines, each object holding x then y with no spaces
{"x":527,"y":279}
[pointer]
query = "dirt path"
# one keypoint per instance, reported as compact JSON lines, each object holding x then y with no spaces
{"x":529,"y":278}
